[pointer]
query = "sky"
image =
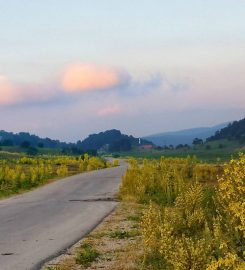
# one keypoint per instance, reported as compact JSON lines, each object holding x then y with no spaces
{"x":72,"y":68}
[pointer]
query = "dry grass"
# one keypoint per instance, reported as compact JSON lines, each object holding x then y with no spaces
{"x":117,"y":241}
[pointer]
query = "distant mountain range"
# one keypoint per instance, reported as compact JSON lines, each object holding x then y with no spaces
{"x":185,"y":136}
{"x":113,"y":140}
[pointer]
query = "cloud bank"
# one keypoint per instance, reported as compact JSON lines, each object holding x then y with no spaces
{"x":76,"y":78}
{"x":110,"y":91}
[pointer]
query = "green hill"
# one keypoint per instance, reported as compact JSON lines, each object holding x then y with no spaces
{"x":27,"y":139}
{"x":110,"y":140}
{"x":233,"y":132}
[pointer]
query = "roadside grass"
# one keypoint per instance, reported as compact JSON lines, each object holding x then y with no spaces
{"x":114,"y":245}
{"x":153,"y":262}
{"x":87,"y":255}
{"x":134,"y":218}
{"x":121,"y":234}
{"x":99,"y":234}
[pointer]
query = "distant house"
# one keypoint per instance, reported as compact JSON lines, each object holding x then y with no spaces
{"x":146,"y":146}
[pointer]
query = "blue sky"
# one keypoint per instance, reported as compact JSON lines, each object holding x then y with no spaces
{"x":69,"y":68}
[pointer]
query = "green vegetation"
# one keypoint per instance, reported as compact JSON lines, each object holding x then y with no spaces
{"x":223,"y":145}
{"x":213,"y":151}
{"x":122,"y":234}
{"x":19,"y":173}
{"x":87,"y":255}
{"x":233,"y":132}
{"x":110,"y":141}
{"x":40,"y":150}
{"x":162,"y":181}
{"x":24,"y":142}
{"x":134,"y":218}
{"x":194,"y":216}
{"x":25,"y":139}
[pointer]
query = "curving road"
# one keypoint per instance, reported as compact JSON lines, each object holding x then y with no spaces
{"x":41,"y":224}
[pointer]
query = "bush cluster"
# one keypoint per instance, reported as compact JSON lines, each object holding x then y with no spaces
{"x":162,"y":180}
{"x":188,"y":223}
{"x":27,"y":172}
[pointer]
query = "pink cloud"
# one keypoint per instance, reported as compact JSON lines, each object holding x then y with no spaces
{"x":7,"y":91}
{"x":13,"y":93}
{"x":110,"y":110}
{"x":88,"y":77}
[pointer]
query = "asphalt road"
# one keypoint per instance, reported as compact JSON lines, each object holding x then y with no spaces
{"x":41,"y":224}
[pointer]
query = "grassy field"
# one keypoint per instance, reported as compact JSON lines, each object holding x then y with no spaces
{"x":217,"y":151}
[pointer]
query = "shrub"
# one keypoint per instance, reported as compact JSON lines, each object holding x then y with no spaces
{"x":62,"y":170}
{"x":27,"y":172}
{"x":190,"y":224}
{"x":116,"y":162}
